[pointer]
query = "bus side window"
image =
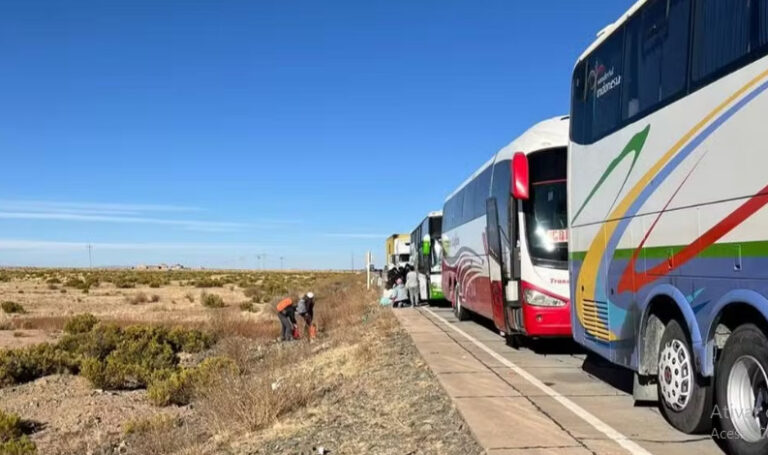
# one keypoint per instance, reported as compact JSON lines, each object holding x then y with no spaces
{"x":578,"y":110}
{"x":721,"y":35}
{"x":655,"y":55}
{"x":604,"y":81}
{"x":762,"y":23}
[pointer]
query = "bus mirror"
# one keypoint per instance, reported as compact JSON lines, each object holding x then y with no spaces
{"x":520,"y":186}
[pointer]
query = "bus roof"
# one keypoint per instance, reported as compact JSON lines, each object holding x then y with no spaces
{"x":546,"y":134}
{"x":603,"y":34}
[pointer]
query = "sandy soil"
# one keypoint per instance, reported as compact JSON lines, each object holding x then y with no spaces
{"x":395,"y":407}
{"x":47,"y":309}
{"x":381,"y":398}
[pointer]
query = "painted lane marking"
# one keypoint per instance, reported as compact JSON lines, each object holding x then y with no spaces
{"x":582,"y":413}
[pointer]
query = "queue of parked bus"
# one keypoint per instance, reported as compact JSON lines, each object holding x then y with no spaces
{"x":637,"y":224}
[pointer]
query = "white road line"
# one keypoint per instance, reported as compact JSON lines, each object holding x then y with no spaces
{"x":598,"y":424}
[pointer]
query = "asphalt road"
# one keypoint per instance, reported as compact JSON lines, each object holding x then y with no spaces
{"x":566,"y":400}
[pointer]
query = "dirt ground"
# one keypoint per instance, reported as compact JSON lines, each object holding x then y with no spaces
{"x":46,"y":308}
{"x":395,"y":407}
{"x":374,"y":394}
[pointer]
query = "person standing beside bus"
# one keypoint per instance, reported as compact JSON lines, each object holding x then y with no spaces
{"x":412,"y":285}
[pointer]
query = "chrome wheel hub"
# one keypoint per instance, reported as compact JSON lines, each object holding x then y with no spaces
{"x":675,"y":374}
{"x":748,"y":399}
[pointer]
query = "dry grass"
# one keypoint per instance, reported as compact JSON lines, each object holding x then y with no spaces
{"x":287,"y":377}
{"x":271,"y":380}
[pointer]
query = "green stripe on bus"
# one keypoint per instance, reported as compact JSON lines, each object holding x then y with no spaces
{"x":718,"y":250}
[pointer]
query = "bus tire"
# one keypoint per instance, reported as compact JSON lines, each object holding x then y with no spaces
{"x":458,"y":309}
{"x":685,"y":399}
{"x":740,"y":376}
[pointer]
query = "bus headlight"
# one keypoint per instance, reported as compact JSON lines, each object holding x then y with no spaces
{"x":536,"y":298}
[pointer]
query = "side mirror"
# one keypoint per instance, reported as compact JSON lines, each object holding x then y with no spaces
{"x":520,"y":181}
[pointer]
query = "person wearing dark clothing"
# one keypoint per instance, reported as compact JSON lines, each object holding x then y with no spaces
{"x":306,"y":309}
{"x":286,"y":312}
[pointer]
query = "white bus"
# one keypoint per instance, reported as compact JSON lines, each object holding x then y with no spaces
{"x":667,"y":195}
{"x":505,"y":237}
{"x":427,"y":256}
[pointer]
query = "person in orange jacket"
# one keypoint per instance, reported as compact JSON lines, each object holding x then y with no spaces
{"x":286,"y":312}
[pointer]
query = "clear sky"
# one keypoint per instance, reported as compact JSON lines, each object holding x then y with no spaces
{"x":210,"y":132}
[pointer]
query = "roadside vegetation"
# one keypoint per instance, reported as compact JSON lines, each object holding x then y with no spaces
{"x":220,"y":384}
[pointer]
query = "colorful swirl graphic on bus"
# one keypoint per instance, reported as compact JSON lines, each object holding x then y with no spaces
{"x":590,"y":290}
{"x":467,"y":265}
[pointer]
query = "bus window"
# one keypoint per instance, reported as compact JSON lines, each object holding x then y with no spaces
{"x":655,"y":55}
{"x":762,"y":23}
{"x":721,"y":35}
{"x":546,"y":217}
{"x":604,"y":86}
{"x":578,"y":107}
{"x":482,"y":187}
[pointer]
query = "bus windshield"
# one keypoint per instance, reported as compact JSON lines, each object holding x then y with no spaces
{"x":546,"y":217}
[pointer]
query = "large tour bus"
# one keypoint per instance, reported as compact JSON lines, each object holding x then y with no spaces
{"x":505,"y":237}
{"x":667,"y":195}
{"x":427,"y":256}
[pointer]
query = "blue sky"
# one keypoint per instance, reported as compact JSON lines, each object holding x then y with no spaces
{"x":210,"y":132}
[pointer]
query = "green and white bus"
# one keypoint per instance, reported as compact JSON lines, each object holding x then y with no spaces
{"x":427,"y":256}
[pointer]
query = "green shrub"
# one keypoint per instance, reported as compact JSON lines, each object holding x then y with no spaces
{"x":53,"y":280}
{"x":13,"y":441}
{"x":208,"y":283}
{"x":160,"y":423}
{"x":77,"y":283}
{"x":155,"y":298}
{"x":247,"y":306}
{"x":212,"y":300}
{"x":12,"y":307}
{"x":82,"y":323}
{"x":180,"y":387}
{"x":99,"y":342}
{"x":30,"y":363}
{"x":123,"y":282}
{"x":186,"y":340}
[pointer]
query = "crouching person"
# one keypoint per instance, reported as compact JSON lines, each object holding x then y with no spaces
{"x":306,"y":309}
{"x":286,"y":311}
{"x":399,"y":294}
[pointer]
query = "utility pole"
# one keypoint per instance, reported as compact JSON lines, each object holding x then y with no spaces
{"x":368,"y":269}
{"x":258,"y":261}
{"x":90,"y":256}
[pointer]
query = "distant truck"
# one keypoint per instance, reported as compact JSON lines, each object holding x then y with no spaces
{"x":398,"y":250}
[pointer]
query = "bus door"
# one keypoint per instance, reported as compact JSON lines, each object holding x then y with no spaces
{"x":495,"y":263}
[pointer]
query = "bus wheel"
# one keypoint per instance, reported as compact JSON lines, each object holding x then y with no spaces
{"x":458,"y":309}
{"x":684,"y":398}
{"x":742,"y":391}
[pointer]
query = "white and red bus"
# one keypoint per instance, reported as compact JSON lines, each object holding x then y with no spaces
{"x":505,"y":237}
